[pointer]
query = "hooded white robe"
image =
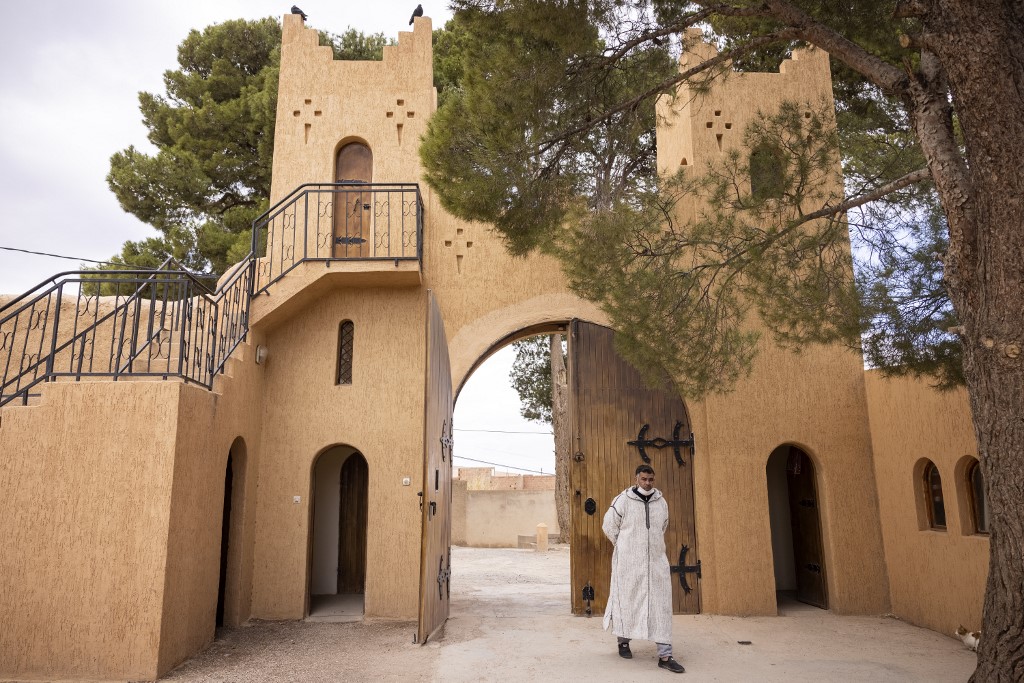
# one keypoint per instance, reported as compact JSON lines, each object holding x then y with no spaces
{"x":640,"y":599}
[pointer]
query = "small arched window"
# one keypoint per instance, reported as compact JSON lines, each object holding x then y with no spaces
{"x":976,"y":493}
{"x":933,"y":501}
{"x":346,"y":335}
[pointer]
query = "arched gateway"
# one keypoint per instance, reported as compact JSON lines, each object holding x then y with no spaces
{"x":360,"y":315}
{"x":429,"y":296}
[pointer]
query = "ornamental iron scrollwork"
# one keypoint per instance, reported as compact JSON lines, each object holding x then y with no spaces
{"x":642,"y":443}
{"x":447,"y":442}
{"x":444,"y":575}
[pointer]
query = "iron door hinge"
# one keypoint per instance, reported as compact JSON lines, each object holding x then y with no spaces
{"x":588,"y":597}
{"x":683,"y":569}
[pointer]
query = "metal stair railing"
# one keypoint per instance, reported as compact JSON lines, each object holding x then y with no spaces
{"x":159,"y":323}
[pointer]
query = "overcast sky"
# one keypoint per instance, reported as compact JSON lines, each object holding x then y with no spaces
{"x":70,"y":74}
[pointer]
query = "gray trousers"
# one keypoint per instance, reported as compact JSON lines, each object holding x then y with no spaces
{"x":664,"y":649}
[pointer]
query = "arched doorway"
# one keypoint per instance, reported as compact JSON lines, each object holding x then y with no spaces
{"x":353,"y":215}
{"x":793,"y":508}
{"x":337,"y":576}
{"x":617,"y":422}
{"x":227,"y":589}
{"x":504,"y":487}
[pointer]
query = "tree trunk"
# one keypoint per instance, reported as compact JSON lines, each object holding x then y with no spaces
{"x":980,"y":44}
{"x":560,"y":425}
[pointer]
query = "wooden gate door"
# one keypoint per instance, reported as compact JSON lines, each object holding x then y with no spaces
{"x":435,"y":548}
{"x":609,"y":407}
{"x":803,"y":513}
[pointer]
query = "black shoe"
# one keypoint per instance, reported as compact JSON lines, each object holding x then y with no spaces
{"x":672,"y":665}
{"x":624,"y":651}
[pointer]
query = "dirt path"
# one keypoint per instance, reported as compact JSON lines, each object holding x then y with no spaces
{"x":509,"y":622}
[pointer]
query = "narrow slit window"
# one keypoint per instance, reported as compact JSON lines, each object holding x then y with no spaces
{"x":979,"y":504}
{"x":346,"y":333}
{"x":934,"y":503}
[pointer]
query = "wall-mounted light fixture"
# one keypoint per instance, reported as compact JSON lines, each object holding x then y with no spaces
{"x":261,"y":354}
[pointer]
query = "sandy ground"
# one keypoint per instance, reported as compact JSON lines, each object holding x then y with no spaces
{"x":509,"y":622}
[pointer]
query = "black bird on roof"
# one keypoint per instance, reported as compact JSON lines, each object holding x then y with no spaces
{"x":418,"y":12}
{"x":296,"y":10}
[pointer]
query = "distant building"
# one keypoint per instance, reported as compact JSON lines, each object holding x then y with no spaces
{"x":484,"y":479}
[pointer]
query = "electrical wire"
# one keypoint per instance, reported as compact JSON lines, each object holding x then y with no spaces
{"x":73,"y":258}
{"x":499,"y":431}
{"x":498,"y":464}
{"x":126,"y":266}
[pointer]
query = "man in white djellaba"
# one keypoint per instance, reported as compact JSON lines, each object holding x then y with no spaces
{"x":640,"y":599}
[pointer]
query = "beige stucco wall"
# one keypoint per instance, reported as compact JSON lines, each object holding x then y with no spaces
{"x":113,"y":495}
{"x":496,"y":518}
{"x":937,"y":578}
{"x":119,"y":467}
{"x":484,"y":478}
{"x":814,"y":400}
{"x":85,"y":484}
{"x":209,"y":425}
{"x":380,"y":414}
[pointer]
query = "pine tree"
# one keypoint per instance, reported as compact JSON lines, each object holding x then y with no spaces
{"x":545,"y":140}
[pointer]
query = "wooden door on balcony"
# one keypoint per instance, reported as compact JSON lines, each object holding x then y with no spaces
{"x":610,"y":406}
{"x":353,"y":206}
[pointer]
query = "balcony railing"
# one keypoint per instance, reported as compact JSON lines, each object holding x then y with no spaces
{"x":166,"y":322}
{"x":338,"y":222}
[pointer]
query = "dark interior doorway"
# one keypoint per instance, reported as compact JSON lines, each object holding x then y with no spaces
{"x":796,"y":527}
{"x":225,"y":534}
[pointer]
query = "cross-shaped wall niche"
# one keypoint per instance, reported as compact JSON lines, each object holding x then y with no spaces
{"x":718,"y":125}
{"x":461,"y":244}
{"x":306,"y":114}
{"x":399,"y":114}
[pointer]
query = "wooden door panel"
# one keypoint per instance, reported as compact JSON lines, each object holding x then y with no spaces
{"x":806,"y":523}
{"x":609,"y":403}
{"x":354,"y":498}
{"x":435,"y":555}
{"x":353,"y":220}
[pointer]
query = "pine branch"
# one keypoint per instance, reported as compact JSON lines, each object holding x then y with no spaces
{"x":718,"y":60}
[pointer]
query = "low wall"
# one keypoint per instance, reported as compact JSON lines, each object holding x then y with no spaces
{"x":85,"y":496}
{"x":936,"y":577}
{"x":496,"y":519}
{"x":111,"y":495}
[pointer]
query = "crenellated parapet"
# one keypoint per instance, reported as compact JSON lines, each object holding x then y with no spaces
{"x":324,"y":103}
{"x":696,"y":126}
